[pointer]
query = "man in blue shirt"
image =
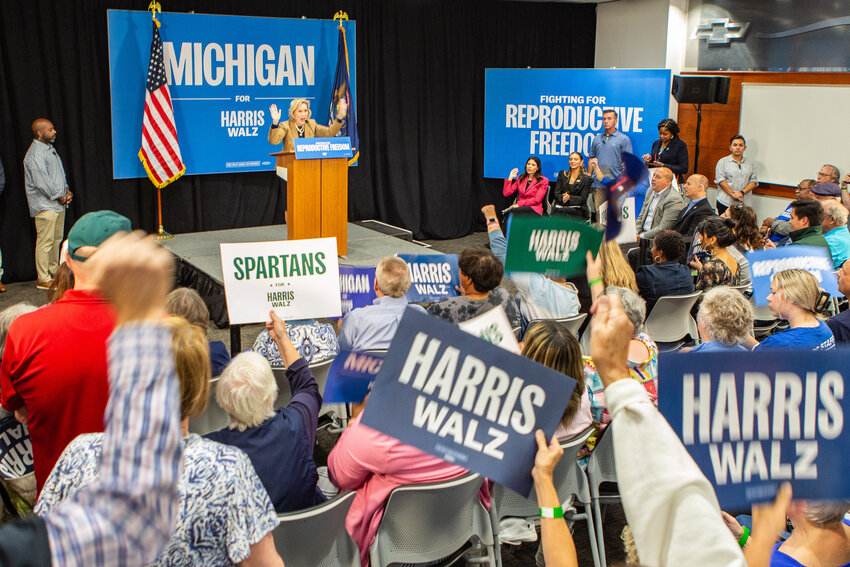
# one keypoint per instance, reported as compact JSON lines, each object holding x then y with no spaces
{"x":834,"y":229}
{"x":606,"y":152}
{"x":48,"y":196}
{"x":374,"y":326}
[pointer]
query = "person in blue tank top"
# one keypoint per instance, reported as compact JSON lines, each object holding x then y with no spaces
{"x":796,"y":297}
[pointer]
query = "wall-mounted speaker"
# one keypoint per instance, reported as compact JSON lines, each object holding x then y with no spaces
{"x":700,"y":89}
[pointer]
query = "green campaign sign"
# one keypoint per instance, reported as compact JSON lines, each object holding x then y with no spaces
{"x":555,"y":246}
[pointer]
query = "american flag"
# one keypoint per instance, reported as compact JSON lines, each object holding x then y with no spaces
{"x":160,"y":153}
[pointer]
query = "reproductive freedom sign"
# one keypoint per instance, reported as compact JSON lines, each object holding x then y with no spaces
{"x":223,"y":74}
{"x":753,"y":420}
{"x":465,"y":400}
{"x":550,"y":113}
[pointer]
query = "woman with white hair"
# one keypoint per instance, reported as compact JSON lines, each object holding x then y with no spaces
{"x":278,"y":442}
{"x":796,"y":297}
{"x":643,"y":364}
{"x":821,"y":535}
{"x":724,"y":320}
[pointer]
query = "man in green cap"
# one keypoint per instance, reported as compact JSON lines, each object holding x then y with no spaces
{"x":53,"y":374}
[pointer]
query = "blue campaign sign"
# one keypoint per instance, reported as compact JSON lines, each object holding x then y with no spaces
{"x":765,"y":263}
{"x":433,"y":277}
{"x":350,"y":377}
{"x":550,"y":113}
{"x":223,"y":73}
{"x":356,"y":287}
{"x":321,"y":148}
{"x":752,"y":421}
{"x":465,"y":400}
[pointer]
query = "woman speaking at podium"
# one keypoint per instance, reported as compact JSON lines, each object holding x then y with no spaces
{"x":300,"y":125}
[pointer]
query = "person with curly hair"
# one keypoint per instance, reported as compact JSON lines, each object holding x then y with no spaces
{"x":746,"y":227}
{"x":724,"y":320}
{"x":666,"y":276}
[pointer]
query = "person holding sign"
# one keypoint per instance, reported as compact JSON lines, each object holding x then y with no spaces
{"x":531,"y":187}
{"x":796,"y":297}
{"x":668,"y":150}
{"x":573,"y":188}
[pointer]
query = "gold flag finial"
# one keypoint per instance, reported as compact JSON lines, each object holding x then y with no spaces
{"x":341,"y":16}
{"x":153,"y":8}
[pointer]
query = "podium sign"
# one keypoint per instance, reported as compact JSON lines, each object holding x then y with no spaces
{"x":320,"y":148}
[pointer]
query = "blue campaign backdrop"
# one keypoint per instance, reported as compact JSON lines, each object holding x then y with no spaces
{"x":765,"y":263}
{"x":752,"y":421}
{"x":224,"y":72}
{"x":433,"y":277}
{"x":552,"y":112}
{"x":356,"y":287}
{"x":350,"y":377}
{"x":465,"y":400}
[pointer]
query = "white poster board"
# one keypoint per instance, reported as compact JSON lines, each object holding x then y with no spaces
{"x":299,"y":279}
{"x":493,"y":326}
{"x":628,"y":229}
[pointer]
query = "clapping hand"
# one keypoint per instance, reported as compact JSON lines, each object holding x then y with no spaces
{"x":275,"y":112}
{"x":513,"y":173}
{"x":341,"y":109}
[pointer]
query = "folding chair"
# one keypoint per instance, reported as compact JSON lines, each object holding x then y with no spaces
{"x":573,"y":323}
{"x":570,"y":484}
{"x":428,"y":522}
{"x":601,"y":469}
{"x":316,"y":537}
{"x":764,"y":321}
{"x":670,"y":320}
{"x":319,"y":370}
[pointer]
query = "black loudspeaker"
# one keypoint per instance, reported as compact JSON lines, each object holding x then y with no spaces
{"x":700,"y":89}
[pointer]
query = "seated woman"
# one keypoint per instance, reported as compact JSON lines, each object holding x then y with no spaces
{"x":747,"y":236}
{"x":187,"y":303}
{"x":796,"y":297}
{"x":643,"y":365}
{"x":616,"y":271}
{"x":668,"y":150}
{"x":552,"y":344}
{"x":313,"y":340}
{"x":573,"y":188}
{"x":720,"y":267}
{"x":531,"y":187}
{"x":666,"y":276}
{"x":226,"y":516}
{"x":374,"y":464}
{"x":480,"y":275}
{"x":724,"y":320}
{"x":821,"y":535}
{"x":279,"y":443}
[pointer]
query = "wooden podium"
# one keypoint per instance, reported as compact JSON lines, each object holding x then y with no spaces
{"x":316,"y":198}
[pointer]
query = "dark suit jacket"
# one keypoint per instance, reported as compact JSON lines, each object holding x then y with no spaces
{"x":668,"y":278}
{"x":674,"y":157}
{"x":686,"y":224}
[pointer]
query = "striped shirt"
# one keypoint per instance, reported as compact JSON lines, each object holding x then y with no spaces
{"x":44,"y":178}
{"x":125,"y":516}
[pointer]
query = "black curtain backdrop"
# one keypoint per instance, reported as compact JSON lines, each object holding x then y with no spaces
{"x":420,"y":104}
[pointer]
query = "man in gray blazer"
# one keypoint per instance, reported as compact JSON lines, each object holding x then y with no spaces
{"x":659,"y":212}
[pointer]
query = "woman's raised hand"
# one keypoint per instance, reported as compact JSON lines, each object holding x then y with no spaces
{"x":513,"y":173}
{"x":341,"y":109}
{"x":275,"y":112}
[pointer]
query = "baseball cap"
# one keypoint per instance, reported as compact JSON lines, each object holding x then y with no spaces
{"x":827,"y":189}
{"x":93,"y":228}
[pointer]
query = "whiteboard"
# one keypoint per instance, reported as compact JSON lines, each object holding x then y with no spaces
{"x":792,"y":130}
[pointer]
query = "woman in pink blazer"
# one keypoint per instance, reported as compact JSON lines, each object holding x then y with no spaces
{"x":531,"y":185}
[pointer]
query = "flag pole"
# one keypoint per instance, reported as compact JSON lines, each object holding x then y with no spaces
{"x":161,"y":234}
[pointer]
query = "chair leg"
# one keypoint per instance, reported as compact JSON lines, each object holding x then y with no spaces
{"x":600,"y":536}
{"x":591,"y":532}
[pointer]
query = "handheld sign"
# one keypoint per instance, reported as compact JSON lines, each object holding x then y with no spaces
{"x":356,"y":287}
{"x":628,"y":227}
{"x":15,"y":449}
{"x":321,"y":148}
{"x":494,"y":327}
{"x":433,"y":277}
{"x":299,"y":279}
{"x":752,"y":421}
{"x":815,"y":260}
{"x":464,"y":400}
{"x":350,"y":377}
{"x":553,"y":246}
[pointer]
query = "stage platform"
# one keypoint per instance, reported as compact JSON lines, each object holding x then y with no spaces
{"x":199,"y":258}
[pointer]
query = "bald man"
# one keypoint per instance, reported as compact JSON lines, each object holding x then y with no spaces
{"x":698,"y":208}
{"x":48,"y":196}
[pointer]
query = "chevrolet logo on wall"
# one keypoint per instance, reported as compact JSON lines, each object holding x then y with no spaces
{"x":720,"y":31}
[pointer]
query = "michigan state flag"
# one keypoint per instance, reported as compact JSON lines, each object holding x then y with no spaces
{"x":342,"y":90}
